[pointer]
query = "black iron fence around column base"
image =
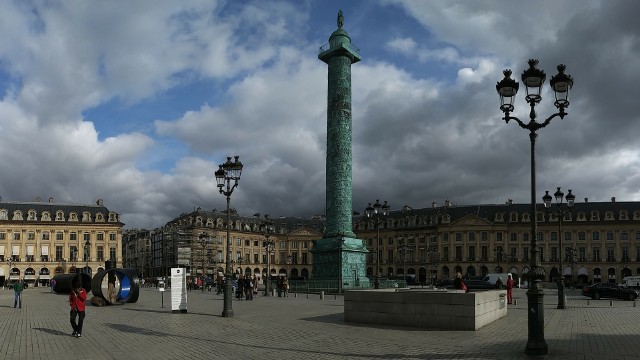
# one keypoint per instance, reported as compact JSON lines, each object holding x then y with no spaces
{"x":337,"y":286}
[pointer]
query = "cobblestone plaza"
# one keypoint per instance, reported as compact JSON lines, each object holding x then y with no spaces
{"x":298,"y":327}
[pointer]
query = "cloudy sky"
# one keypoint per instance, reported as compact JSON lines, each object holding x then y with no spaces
{"x":137,"y":102}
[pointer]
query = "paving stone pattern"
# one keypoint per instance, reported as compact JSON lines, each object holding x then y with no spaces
{"x":302,"y":327}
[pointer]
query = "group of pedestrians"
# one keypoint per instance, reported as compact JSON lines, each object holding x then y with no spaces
{"x":459,"y":284}
{"x":247,"y":287}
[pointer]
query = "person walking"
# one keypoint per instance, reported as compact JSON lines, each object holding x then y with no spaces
{"x":76,"y":299}
{"x":459,"y":284}
{"x":509,"y":289}
{"x":18,"y":286}
{"x":285,"y":286}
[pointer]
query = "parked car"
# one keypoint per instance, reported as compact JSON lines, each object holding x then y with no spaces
{"x":473,"y":285}
{"x":446,"y":284}
{"x":608,"y":290}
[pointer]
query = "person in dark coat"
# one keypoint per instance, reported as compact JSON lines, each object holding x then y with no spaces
{"x":459,"y":284}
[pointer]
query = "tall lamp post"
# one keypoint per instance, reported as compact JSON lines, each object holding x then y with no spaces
{"x":560,"y":213}
{"x":203,"y":242}
{"x":499,"y":252}
{"x":227,"y":173}
{"x":86,"y":255}
{"x":378,"y":212}
{"x":561,"y":84}
{"x":268,"y":229}
{"x":402,"y":249}
{"x":434,"y":259}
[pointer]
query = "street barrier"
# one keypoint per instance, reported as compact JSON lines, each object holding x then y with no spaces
{"x":65,"y":282}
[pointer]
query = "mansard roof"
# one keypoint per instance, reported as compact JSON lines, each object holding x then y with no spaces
{"x":53,"y":208}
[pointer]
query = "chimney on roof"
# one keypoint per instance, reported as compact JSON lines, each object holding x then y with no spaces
{"x":586,"y":200}
{"x":50,"y":200}
{"x":434,"y":204}
{"x":613,"y":199}
{"x":447,"y":203}
{"x":38,"y":199}
{"x":510,"y":201}
{"x":100,"y":202}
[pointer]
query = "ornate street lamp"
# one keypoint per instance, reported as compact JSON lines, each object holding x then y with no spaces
{"x":533,"y":78}
{"x":378,"y":212}
{"x":268,"y":229}
{"x":227,"y":173}
{"x":560,"y":213}
{"x":402,"y":250}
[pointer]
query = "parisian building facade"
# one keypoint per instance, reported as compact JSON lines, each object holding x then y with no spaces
{"x":598,"y":242}
{"x":41,"y":239}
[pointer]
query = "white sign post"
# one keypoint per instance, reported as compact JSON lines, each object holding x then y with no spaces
{"x":178,"y":290}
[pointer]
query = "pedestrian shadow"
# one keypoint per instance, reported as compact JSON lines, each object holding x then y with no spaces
{"x":168,"y":311}
{"x":137,"y":330}
{"x":51,"y":331}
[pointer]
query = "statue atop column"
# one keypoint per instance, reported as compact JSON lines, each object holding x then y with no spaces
{"x":340,"y":19}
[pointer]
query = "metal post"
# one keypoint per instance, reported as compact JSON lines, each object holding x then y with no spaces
{"x":377,"y":273}
{"x":561,"y":302}
{"x":228,"y":283}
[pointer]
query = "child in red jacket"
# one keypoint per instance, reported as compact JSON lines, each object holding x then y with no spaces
{"x":76,"y":300}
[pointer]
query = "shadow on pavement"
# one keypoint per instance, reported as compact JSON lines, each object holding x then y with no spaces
{"x":51,"y":331}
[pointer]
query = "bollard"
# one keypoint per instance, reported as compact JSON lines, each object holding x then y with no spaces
{"x":515,"y":301}
{"x":610,"y":302}
{"x":634,"y":303}
{"x":321,"y":295}
{"x":587,"y":302}
{"x":307,"y":295}
{"x":335,"y":297}
{"x":295,"y":296}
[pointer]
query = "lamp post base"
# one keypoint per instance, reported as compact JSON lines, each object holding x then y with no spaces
{"x":561,"y":299}
{"x":536,"y":344}
{"x":376,"y":282}
{"x":228,"y":296}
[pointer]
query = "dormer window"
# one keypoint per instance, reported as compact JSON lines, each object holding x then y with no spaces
{"x":17,"y":215}
{"x":99,"y":217}
{"x":623,"y":215}
{"x":567,"y":217}
{"x":4,"y":214}
{"x":73,"y":217}
{"x":513,"y":217}
{"x":539,"y":217}
{"x":446,"y":218}
{"x":86,"y":216}
{"x":636,"y":215}
{"x":32,"y":215}
{"x":499,"y":217}
{"x":59,"y":215}
{"x":608,"y":216}
{"x":45,"y":216}
{"x":112,"y":217}
{"x":595,"y":216}
{"x":582,"y":217}
{"x":525,"y":217}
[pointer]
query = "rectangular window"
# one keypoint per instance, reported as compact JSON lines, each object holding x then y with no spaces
{"x":283,"y":244}
{"x":458,"y":236}
{"x":305,"y":258}
{"x":3,"y":236}
{"x":541,"y":253}
{"x":637,"y":235}
{"x":540,"y":236}
{"x":458,"y":253}
{"x":472,"y":253}
{"x":305,"y":244}
{"x":58,"y":252}
{"x":255,"y":242}
{"x":45,"y":236}
{"x":582,"y":235}
{"x":554,"y":253}
{"x":238,"y":242}
{"x":247,"y":242}
{"x":445,"y":253}
{"x":73,"y":251}
{"x":525,"y":253}
{"x":625,"y":254}
{"x":514,"y":236}
{"x":59,"y":236}
{"x":31,"y":236}
{"x":485,"y":253}
{"x":525,"y":237}
{"x":16,"y":236}
{"x":112,"y":236}
{"x":445,"y":237}
{"x":596,"y":254}
{"x":112,"y":254}
{"x":554,"y":236}
{"x":582,"y":251}
{"x":484,"y":236}
{"x":100,"y":236}
{"x":390,"y":255}
{"x":624,"y":236}
{"x":472,"y":236}
{"x":86,"y":237}
{"x":611,"y":256}
{"x":294,"y":244}
{"x":499,"y":237}
{"x":567,"y":236}
{"x":609,"y":235}
{"x":595,"y":235}
{"x":73,"y":236}
{"x":100,"y":253}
